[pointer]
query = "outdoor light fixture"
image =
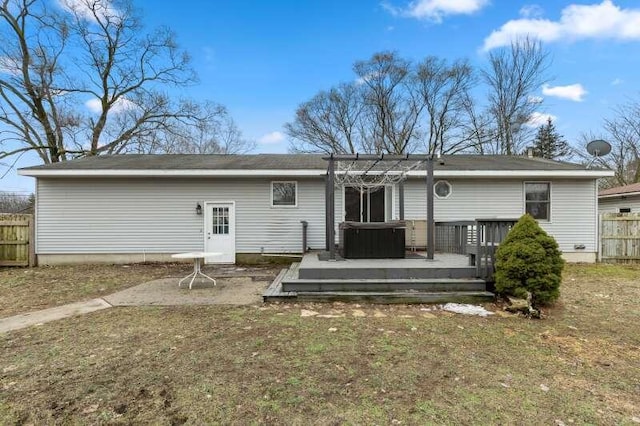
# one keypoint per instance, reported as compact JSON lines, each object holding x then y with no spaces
{"x":198,"y":209}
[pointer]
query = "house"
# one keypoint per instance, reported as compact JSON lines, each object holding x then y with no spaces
{"x":132,"y":208}
{"x":621,"y":199}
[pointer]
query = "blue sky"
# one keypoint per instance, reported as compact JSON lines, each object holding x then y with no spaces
{"x":262,"y":59}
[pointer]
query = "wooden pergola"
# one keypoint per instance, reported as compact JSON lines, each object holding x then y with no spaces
{"x":330,"y":193}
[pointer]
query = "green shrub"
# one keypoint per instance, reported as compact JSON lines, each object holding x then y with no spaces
{"x":528,"y":260}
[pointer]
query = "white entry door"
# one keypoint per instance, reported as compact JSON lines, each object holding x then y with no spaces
{"x":220,"y":231}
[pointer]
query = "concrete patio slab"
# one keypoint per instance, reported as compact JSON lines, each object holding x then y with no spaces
{"x":236,"y":286}
{"x":243,"y":290}
{"x":17,"y":322}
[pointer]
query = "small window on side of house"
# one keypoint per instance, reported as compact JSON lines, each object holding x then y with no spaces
{"x":624,"y":210}
{"x":284,"y":194}
{"x":537,"y":200}
{"x":442,"y":189}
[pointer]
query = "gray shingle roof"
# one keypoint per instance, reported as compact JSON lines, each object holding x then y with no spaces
{"x":627,"y":189}
{"x":189,"y":162}
{"x":286,"y":162}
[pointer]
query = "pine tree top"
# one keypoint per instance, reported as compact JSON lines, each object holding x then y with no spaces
{"x":549,"y":143}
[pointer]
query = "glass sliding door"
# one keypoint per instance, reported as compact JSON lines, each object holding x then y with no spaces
{"x":365,"y":204}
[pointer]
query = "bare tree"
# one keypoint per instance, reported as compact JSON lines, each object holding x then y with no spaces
{"x":11,"y":202}
{"x":513,"y":76}
{"x":624,"y":134}
{"x":330,"y":122}
{"x":477,"y":128}
{"x":84,"y":79}
{"x":212,"y":131}
{"x":622,"y":131}
{"x":394,"y":106}
{"x":445,"y":91}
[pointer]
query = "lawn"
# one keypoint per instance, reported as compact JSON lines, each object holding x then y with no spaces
{"x":28,"y":289}
{"x":348,"y":365}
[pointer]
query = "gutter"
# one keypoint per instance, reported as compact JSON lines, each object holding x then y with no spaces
{"x":593,"y":174}
{"x":621,"y":194}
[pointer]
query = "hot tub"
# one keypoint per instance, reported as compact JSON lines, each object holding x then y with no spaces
{"x":372,"y":240}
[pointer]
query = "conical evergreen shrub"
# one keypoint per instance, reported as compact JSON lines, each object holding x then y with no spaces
{"x":529,"y":260}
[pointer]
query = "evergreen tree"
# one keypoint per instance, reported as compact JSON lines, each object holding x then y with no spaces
{"x":529,"y":260}
{"x":550,"y":144}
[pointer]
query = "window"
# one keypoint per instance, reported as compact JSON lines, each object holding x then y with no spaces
{"x":284,"y":194}
{"x":220,"y":217}
{"x":442,"y":189}
{"x":624,"y":210}
{"x":537,"y":200}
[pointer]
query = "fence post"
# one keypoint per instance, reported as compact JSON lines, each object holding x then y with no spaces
{"x":599,"y":239}
{"x":32,"y":242}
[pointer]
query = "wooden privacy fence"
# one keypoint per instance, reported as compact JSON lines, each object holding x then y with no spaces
{"x":620,"y":237}
{"x":17,"y":240}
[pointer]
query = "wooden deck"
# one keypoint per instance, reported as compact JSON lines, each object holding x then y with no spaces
{"x":446,"y":278}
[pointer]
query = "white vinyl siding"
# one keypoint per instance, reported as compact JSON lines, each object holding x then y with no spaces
{"x":157,"y":215}
{"x":614,"y":204}
{"x":573,"y":206}
{"x":146,"y":215}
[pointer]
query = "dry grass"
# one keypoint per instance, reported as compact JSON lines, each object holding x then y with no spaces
{"x":28,"y":289}
{"x":395,"y":365}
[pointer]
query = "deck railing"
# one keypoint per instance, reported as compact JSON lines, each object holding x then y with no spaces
{"x":454,"y":237}
{"x":489,"y":234}
{"x":479,"y":239}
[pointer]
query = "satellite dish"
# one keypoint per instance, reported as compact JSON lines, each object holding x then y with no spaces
{"x":598,"y":148}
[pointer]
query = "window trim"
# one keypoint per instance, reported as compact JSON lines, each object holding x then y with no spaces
{"x":450,"y":189}
{"x":524,"y":198}
{"x":277,"y":206}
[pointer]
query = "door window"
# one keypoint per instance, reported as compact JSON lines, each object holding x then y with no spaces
{"x":220,"y":218}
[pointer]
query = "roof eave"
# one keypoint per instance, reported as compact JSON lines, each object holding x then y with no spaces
{"x":171,"y":173}
{"x":592,"y":174}
{"x":620,"y":194}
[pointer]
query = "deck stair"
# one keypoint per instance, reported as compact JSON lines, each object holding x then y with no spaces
{"x":378,"y":282}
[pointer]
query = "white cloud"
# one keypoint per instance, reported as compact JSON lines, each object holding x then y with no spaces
{"x":537,"y":119}
{"x":88,"y":9}
{"x":617,"y":82}
{"x":271,"y":138}
{"x":435,"y":10}
{"x":577,"y":22}
{"x":572,"y":92}
{"x":531,"y":11}
{"x":121,"y":105}
{"x":536,"y":99}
